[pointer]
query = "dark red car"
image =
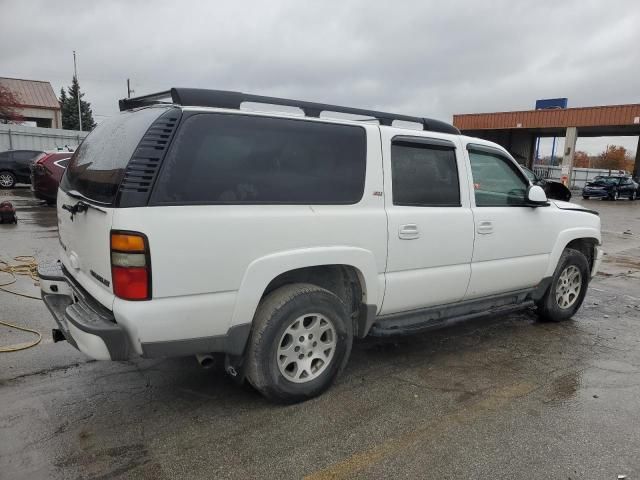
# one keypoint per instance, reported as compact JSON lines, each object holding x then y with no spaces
{"x":46,"y":173}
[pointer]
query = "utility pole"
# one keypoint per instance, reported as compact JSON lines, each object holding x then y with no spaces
{"x":75,"y":74}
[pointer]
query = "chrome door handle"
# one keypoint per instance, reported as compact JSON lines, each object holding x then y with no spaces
{"x":485,"y":227}
{"x":409,"y":232}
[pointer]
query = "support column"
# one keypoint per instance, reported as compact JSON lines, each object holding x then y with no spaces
{"x":534,"y":145}
{"x":636,"y":166}
{"x":570,"y":139}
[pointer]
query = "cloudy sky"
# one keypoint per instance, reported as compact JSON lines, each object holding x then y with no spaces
{"x":417,"y":57}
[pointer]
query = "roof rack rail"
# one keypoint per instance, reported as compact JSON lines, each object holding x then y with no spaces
{"x":198,"y":97}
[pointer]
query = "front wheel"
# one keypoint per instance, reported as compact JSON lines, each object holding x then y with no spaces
{"x":615,"y":195}
{"x":301,"y":340}
{"x":7,"y":180}
{"x":632,"y":197}
{"x":568,"y":287}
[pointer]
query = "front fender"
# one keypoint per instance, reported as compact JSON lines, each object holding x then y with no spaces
{"x":262,"y":270}
{"x":564,"y":238}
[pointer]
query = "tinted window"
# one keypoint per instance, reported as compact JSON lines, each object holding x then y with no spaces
{"x":25,"y":156}
{"x":424,"y":175}
{"x":218,"y":158}
{"x":496,"y":180}
{"x":98,"y":165}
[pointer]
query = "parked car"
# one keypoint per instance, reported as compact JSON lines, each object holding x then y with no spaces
{"x":15,"y":166}
{"x":46,"y":173}
{"x":611,"y":187}
{"x":637,"y":180}
{"x":553,"y":189}
{"x":194,"y":227}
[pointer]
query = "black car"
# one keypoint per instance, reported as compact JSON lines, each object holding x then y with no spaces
{"x":15,"y":166}
{"x":612,"y":187}
{"x":555,"y":190}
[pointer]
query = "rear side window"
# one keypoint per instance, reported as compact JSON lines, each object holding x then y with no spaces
{"x":238,"y":159}
{"x":97,"y":166}
{"x":424,"y":175}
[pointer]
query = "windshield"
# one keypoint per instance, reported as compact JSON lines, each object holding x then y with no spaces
{"x":606,"y":180}
{"x":97,"y":167}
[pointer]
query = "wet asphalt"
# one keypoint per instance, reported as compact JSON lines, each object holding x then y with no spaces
{"x":503,"y":397}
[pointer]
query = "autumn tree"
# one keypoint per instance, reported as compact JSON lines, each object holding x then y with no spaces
{"x":581,"y":159}
{"x":615,"y":157}
{"x":9,"y":103}
{"x":69,"y":105}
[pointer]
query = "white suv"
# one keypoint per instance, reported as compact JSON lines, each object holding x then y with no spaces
{"x":193,"y":226}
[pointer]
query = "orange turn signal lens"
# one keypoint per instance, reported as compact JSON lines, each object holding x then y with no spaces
{"x":127,"y":243}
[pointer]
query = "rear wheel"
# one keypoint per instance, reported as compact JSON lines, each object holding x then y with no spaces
{"x":568,"y":287}
{"x":300,"y":342}
{"x":7,"y":179}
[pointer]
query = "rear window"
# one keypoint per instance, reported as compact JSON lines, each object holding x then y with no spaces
{"x":242,"y":159}
{"x":97,"y":166}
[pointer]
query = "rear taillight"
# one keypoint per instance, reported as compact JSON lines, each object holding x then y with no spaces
{"x":130,"y":265}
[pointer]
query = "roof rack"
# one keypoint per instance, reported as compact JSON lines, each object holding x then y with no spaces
{"x":197,"y":97}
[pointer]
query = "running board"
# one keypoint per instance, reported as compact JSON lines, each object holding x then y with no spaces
{"x":433,"y":318}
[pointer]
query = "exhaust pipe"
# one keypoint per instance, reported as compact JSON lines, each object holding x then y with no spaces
{"x":205,"y":360}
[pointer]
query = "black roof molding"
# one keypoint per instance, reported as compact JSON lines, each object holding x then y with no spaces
{"x":197,"y":97}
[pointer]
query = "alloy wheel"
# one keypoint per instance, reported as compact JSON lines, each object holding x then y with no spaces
{"x":6,"y":180}
{"x":568,"y":287}
{"x":306,"y":348}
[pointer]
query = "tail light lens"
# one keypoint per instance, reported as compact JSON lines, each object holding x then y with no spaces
{"x":130,"y":265}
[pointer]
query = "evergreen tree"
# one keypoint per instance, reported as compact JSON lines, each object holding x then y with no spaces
{"x":69,"y":105}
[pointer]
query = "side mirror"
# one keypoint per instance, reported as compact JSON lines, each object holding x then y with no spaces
{"x":536,"y":196}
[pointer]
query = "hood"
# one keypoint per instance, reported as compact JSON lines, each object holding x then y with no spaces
{"x":572,"y":206}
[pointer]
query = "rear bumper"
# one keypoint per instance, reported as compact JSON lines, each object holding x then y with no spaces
{"x":43,"y":188}
{"x":86,"y":325}
{"x":92,"y":329}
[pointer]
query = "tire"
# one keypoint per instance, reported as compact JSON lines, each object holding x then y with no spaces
{"x":289,"y":378}
{"x":615,"y":195}
{"x":585,"y":198}
{"x":632,"y":196}
{"x":549,"y":306}
{"x":7,"y":179}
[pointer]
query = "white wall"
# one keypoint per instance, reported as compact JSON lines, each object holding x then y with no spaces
{"x":19,"y":137}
